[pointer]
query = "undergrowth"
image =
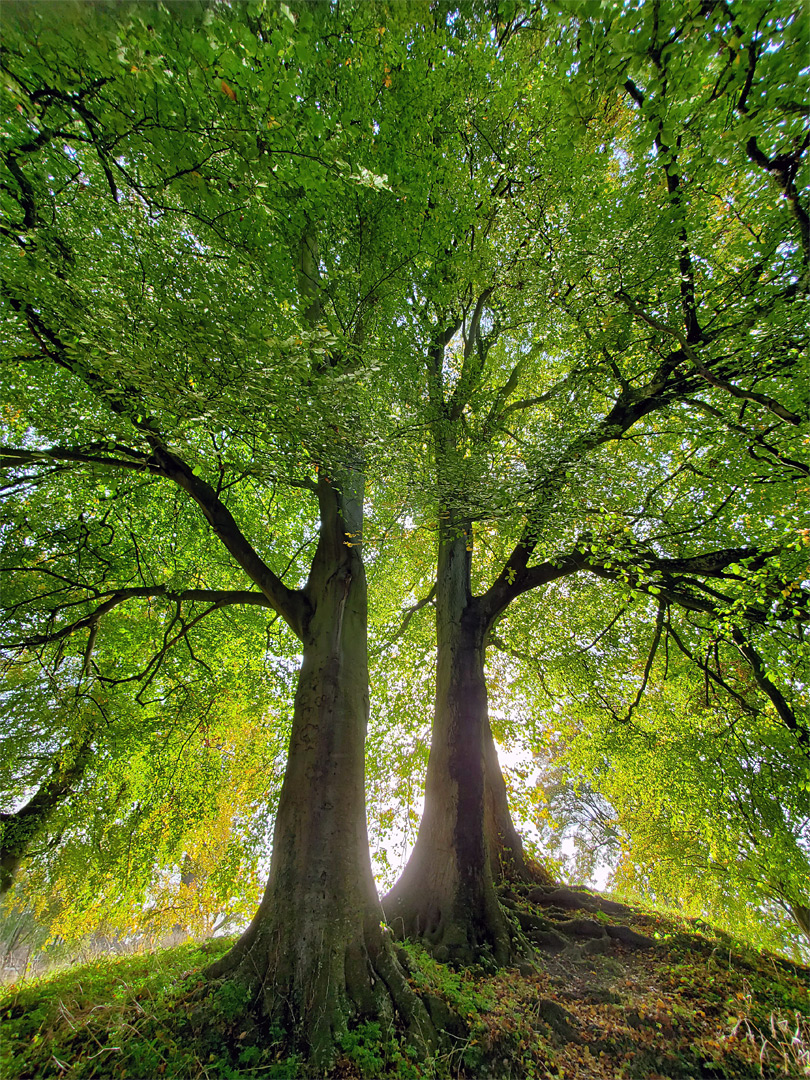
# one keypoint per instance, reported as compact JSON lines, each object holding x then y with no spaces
{"x":696,"y":1006}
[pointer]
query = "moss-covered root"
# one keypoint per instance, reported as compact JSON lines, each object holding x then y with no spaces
{"x":314,"y":997}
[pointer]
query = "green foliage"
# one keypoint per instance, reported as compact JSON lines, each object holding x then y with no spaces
{"x":600,"y":411}
{"x":230,"y":1000}
{"x":122,"y":1007}
{"x":362,"y":1047}
{"x":545,"y":276}
{"x":458,"y":988}
{"x":695,"y":801}
{"x":210,"y":348}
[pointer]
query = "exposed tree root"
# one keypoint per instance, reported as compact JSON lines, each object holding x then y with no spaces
{"x":575,"y":900}
{"x":552,"y":930}
{"x":315,"y":999}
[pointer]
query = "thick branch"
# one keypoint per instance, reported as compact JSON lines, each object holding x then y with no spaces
{"x":290,"y":604}
{"x":686,"y":270}
{"x":436,"y":362}
{"x":711,"y":563}
{"x":784,"y":169}
{"x":630,"y":406}
{"x":508,"y":587}
{"x":14,"y":457}
{"x":667,"y":590}
{"x":19,"y":829}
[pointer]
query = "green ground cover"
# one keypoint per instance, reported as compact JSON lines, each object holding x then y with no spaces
{"x":694,"y":1004}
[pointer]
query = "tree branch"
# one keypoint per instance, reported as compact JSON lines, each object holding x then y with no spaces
{"x":19,"y":829}
{"x":771,"y":404}
{"x":472,"y":363}
{"x":630,"y":406}
{"x":409,"y":614}
{"x":784,"y":169}
{"x":515,"y":580}
{"x":709,"y":674}
{"x":218,"y":597}
{"x":784,"y":711}
{"x":291,"y":604}
{"x":659,"y":625}
{"x":16,"y":457}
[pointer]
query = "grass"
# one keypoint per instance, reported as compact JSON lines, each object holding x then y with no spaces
{"x":697,"y":1005}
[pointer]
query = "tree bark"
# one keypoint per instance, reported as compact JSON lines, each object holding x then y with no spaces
{"x":446,"y":895}
{"x":315,"y":955}
{"x":507,"y":855}
{"x":19,"y":830}
{"x":801,"y":914}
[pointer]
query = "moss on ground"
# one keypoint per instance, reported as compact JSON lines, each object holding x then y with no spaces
{"x":693,"y":1004}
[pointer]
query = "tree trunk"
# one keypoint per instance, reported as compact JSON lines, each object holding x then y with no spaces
{"x":19,"y":830}
{"x":446,"y":895}
{"x":315,"y":955}
{"x":801,"y":914}
{"x":509,"y":860}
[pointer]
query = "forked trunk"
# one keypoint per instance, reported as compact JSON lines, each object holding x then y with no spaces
{"x":446,"y":895}
{"x":315,"y":955}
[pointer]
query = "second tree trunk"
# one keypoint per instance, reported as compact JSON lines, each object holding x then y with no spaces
{"x":446,"y":895}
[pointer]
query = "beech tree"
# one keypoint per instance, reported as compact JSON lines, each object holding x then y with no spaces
{"x":160,"y":305}
{"x":273,"y":273}
{"x":650,"y":309}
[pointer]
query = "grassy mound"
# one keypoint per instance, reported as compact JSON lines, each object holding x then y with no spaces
{"x":619,"y":996}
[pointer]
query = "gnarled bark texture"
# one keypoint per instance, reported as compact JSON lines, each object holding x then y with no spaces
{"x":315,"y":955}
{"x":446,"y":895}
